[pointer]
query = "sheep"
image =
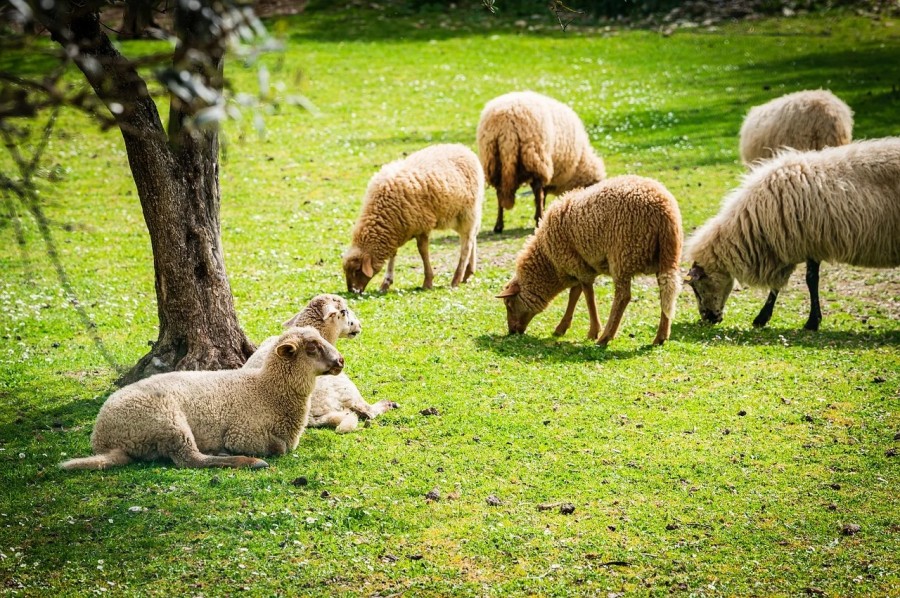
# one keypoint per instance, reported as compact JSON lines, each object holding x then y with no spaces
{"x":193,"y":417}
{"x":805,"y":120}
{"x":439,"y":187}
{"x":329,"y":314}
{"x":335,"y":400}
{"x":622,"y":226}
{"x":526,"y":137}
{"x":840,"y":204}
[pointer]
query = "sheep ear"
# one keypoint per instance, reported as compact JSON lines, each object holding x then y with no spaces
{"x":291,"y":322}
{"x":367,"y":266}
{"x":287,"y":350}
{"x":329,"y":311}
{"x":511,"y":290}
{"x":694,"y":274}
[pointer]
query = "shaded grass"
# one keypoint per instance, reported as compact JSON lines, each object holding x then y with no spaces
{"x":649,"y":444}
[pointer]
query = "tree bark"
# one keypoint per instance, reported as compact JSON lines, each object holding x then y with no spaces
{"x":178,"y":186}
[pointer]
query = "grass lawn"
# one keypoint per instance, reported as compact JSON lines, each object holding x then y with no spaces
{"x":726,"y":462}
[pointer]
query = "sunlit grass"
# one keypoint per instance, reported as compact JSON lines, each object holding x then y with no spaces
{"x":725,"y":462}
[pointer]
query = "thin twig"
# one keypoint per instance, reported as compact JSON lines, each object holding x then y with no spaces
{"x":25,"y":192}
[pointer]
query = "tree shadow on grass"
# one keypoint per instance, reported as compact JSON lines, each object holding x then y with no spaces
{"x":724,"y":335}
{"x":553,"y":350}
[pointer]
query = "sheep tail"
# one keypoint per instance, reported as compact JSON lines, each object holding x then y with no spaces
{"x":669,"y":277}
{"x":113,"y":458}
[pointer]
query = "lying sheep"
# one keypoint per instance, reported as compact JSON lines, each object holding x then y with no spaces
{"x":335,"y":401}
{"x":526,"y":137}
{"x":329,"y":314}
{"x":805,"y":120}
{"x":193,"y":417}
{"x":623,"y":226}
{"x":839,"y":204}
{"x":435,"y":188}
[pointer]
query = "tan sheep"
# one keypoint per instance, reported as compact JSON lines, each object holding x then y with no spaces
{"x":526,"y":137}
{"x":840,"y":204}
{"x":335,"y":401}
{"x":193,"y":417}
{"x":805,"y":120}
{"x":621,"y":227}
{"x":435,"y":188}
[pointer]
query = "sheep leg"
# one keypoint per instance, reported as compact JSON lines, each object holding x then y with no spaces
{"x":466,"y":243}
{"x":422,"y":244}
{"x":389,"y":275}
{"x":367,"y":411}
{"x":620,"y":301}
{"x":812,"y":283}
{"x":498,"y":226}
{"x":192,"y":457}
{"x":348,"y":423}
{"x":668,"y":283}
{"x":765,"y":314}
{"x":563,"y":326}
{"x":332,"y":419}
{"x":594,"y":330}
{"x":538,"y":189}
{"x":472,"y":263}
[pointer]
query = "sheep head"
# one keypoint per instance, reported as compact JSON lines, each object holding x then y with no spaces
{"x":359,"y":268}
{"x":711,"y":289}
{"x":331,"y":315}
{"x":308,"y":345}
{"x":518,"y":314}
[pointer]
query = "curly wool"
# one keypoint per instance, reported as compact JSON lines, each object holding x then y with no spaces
{"x":805,"y":120}
{"x":840,"y":204}
{"x":621,"y":227}
{"x":525,"y":136}
{"x":439,"y":187}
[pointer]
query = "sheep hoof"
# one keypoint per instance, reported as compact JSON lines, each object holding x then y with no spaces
{"x":498,"y":229}
{"x":811,"y":325}
{"x":259,"y":464}
{"x":760,"y":322}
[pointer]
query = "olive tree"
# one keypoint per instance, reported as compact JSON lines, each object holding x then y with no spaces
{"x":175,"y":165}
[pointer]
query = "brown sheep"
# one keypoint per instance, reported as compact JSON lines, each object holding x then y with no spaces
{"x":621,"y":227}
{"x":435,"y":188}
{"x":526,"y":137}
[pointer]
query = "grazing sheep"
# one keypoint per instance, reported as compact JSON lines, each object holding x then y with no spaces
{"x":840,"y":204}
{"x":435,"y":188}
{"x":526,"y":137}
{"x":622,"y":226}
{"x":805,"y":120}
{"x":335,"y":401}
{"x":193,"y":417}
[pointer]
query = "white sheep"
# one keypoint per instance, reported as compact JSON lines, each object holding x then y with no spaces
{"x":840,"y":204}
{"x":623,"y":226}
{"x":526,"y":137}
{"x":805,"y":120}
{"x":335,"y":401}
{"x":435,"y":188}
{"x":193,"y":417}
{"x":329,"y":314}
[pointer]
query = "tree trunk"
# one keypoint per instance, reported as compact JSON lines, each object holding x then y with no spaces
{"x":136,"y":19}
{"x":178,"y":186}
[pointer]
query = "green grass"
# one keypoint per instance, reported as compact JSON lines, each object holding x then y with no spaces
{"x":723,"y":463}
